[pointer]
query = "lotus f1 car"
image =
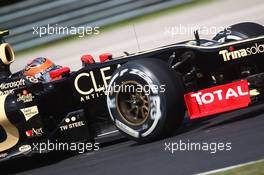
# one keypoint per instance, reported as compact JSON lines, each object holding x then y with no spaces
{"x":145,"y":94}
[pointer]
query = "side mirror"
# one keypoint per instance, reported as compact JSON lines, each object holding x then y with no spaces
{"x":105,"y":57}
{"x":87,"y":60}
{"x":59,"y":73}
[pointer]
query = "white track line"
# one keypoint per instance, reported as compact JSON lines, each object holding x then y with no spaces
{"x":231,"y":167}
{"x":107,"y":133}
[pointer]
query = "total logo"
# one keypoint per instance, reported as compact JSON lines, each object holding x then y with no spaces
{"x":71,"y":123}
{"x":25,"y":97}
{"x":218,"y":99}
{"x":35,"y":132}
{"x":232,"y":54}
{"x":209,"y":97}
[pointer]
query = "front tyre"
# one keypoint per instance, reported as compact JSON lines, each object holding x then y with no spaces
{"x":145,"y":100}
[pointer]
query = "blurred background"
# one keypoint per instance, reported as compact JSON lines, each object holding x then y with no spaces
{"x":115,"y":25}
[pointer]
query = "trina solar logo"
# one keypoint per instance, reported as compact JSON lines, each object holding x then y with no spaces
{"x":232,"y":54}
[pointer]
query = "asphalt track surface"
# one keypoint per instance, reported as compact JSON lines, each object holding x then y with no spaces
{"x":244,"y":129}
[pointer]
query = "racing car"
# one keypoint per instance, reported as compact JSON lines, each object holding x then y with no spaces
{"x":145,"y":95}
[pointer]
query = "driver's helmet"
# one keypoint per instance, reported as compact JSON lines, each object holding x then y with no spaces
{"x":39,"y":68}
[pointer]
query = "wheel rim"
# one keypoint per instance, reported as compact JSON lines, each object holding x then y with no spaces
{"x":133,"y":105}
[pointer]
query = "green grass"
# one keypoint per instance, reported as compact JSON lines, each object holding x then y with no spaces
{"x":110,"y":27}
{"x":252,"y":169}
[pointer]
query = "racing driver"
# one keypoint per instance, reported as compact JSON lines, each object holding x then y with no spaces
{"x":40,"y":68}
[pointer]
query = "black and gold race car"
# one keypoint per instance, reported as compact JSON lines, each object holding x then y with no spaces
{"x":145,"y":94}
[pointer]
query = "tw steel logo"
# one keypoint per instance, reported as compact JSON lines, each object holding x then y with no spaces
{"x":217,"y":99}
{"x":232,"y":54}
